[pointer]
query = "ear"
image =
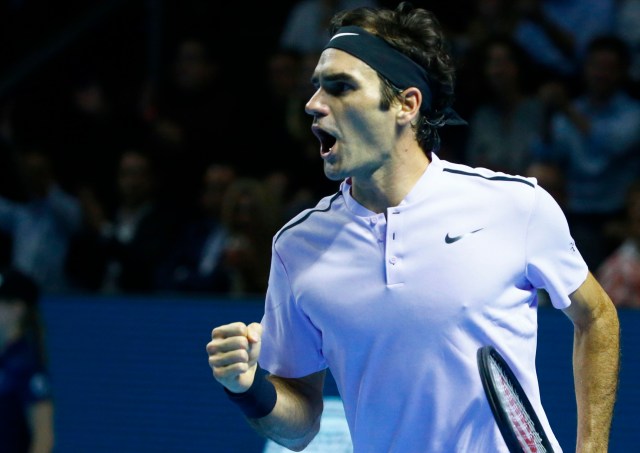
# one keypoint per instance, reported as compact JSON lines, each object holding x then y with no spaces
{"x":410,"y":100}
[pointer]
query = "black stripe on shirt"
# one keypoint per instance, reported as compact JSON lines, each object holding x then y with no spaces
{"x":492,"y":178}
{"x":306,"y":216}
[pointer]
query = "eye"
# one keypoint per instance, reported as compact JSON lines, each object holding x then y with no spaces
{"x":338,"y":88}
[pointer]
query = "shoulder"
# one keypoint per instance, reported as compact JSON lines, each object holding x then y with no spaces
{"x":465,"y":174}
{"x":310,"y":219}
{"x":480,"y":188}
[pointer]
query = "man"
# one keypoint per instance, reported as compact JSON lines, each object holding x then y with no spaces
{"x":395,"y":282}
{"x":26,"y":402}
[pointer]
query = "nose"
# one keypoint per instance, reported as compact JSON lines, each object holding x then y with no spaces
{"x":314,"y":106}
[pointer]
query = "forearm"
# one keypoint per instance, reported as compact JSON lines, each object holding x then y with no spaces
{"x":596,"y":365}
{"x":41,"y":423}
{"x":295,"y":419}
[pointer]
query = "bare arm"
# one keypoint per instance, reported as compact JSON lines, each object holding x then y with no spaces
{"x":41,"y":424}
{"x":596,"y":359}
{"x":295,"y":420}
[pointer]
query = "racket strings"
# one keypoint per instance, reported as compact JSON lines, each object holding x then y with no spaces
{"x":527,"y":435}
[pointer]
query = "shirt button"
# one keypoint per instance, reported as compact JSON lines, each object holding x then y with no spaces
{"x":393,"y":260}
{"x":374,"y":220}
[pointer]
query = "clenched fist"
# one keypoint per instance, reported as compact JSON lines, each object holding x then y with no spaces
{"x":233,"y":354}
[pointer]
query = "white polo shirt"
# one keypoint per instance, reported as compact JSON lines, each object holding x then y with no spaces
{"x":397,"y":305}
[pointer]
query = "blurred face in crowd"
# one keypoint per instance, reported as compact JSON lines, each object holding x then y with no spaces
{"x":283,"y":71}
{"x":193,"y":68}
{"x":501,"y":70}
{"x":135,"y":180}
{"x":216,"y":180}
{"x":38,"y":174}
{"x":604,"y":73}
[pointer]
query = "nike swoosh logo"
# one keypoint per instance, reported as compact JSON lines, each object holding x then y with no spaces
{"x":451,"y":239}
{"x":338,"y":35}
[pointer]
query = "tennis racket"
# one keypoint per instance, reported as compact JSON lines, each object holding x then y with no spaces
{"x":518,"y":422}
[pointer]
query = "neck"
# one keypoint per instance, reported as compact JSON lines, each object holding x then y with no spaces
{"x":390,"y":184}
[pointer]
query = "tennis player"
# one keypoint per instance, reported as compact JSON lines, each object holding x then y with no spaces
{"x":394,"y":282}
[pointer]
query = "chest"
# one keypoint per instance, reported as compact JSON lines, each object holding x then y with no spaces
{"x":426,"y":266}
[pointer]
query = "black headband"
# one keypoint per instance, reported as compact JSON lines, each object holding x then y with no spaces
{"x":392,"y":64}
{"x":395,"y":66}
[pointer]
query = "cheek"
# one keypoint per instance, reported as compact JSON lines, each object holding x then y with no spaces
{"x":367,"y":118}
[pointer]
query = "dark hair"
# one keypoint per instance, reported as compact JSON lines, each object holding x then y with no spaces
{"x":417,"y":33}
{"x":528,"y":74}
{"x":611,"y":43}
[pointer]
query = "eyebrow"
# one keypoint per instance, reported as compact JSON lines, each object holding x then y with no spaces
{"x":341,"y":76}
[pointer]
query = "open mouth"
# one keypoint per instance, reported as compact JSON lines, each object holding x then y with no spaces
{"x":326,"y":140}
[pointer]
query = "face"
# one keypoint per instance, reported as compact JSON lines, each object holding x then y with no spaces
{"x":603,"y":73}
{"x":193,"y":69}
{"x":38,"y":173}
{"x":356,"y":136}
{"x":134,"y":179}
{"x":500,"y":68}
{"x":215,"y":182}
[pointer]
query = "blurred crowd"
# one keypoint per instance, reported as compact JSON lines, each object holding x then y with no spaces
{"x":159,"y":148}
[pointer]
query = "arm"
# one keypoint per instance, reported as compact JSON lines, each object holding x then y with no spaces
{"x":41,"y":423}
{"x":66,"y":208}
{"x":555,"y":97}
{"x":564,"y":40}
{"x":596,"y":352}
{"x":295,"y":419}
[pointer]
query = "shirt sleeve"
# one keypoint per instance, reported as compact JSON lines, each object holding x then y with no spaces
{"x":291,"y":344}
{"x":554,"y":262}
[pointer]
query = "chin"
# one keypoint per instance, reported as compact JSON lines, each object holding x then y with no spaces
{"x":332,"y":174}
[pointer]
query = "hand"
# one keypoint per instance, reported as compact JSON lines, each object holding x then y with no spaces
{"x":233,"y":354}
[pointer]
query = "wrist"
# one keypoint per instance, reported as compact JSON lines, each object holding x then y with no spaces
{"x":259,"y":399}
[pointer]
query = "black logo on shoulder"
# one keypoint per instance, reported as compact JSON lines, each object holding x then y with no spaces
{"x":451,"y":239}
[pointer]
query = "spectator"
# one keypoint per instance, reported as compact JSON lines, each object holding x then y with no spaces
{"x":619,"y":274}
{"x":291,"y":175}
{"x":26,"y":400}
{"x":121,"y":246}
{"x":503,"y":126}
{"x":305,"y":28}
{"x":42,"y":225}
{"x":250,"y":216}
{"x":556,"y":34}
{"x":284,"y":105}
{"x":595,"y":140}
{"x":627,"y":27}
{"x":553,"y":34}
{"x":194,"y":263}
{"x":89,"y":127}
{"x":184,"y":112}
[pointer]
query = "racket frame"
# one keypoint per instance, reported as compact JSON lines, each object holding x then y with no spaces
{"x":486,"y":354}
